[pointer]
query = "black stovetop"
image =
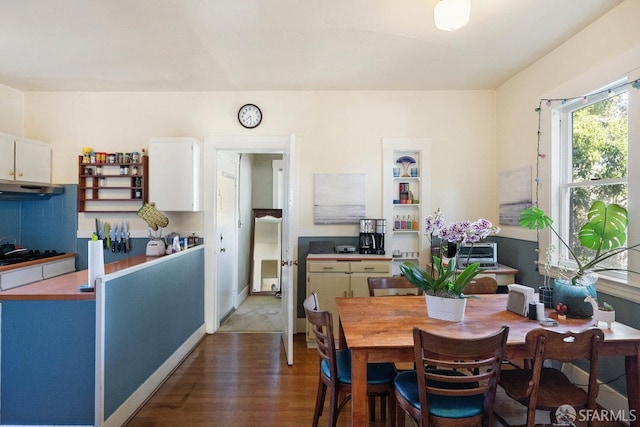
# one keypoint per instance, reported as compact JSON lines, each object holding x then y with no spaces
{"x":16,"y":257}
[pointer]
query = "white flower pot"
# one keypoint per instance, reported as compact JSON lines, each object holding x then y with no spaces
{"x":450,"y":309}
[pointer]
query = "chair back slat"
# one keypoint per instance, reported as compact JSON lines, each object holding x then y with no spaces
{"x":481,"y":285}
{"x":397,"y":285}
{"x":567,"y":346}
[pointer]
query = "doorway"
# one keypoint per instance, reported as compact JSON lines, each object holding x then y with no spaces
{"x":284,"y":145}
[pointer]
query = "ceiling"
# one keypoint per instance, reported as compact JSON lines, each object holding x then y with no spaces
{"x":233,"y":45}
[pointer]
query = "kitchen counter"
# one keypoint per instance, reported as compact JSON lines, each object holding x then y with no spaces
{"x":65,"y":287}
{"x":5,"y":268}
{"x":348,"y":257}
{"x":50,"y":328}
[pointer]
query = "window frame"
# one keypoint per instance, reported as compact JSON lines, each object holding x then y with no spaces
{"x":562,"y":183}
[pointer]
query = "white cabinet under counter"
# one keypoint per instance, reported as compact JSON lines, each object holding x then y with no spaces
{"x":35,"y":272}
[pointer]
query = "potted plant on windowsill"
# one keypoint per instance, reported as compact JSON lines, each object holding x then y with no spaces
{"x":443,"y":286}
{"x":604,"y":233}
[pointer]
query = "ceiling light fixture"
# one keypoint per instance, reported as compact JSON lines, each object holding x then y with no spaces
{"x":449,"y":15}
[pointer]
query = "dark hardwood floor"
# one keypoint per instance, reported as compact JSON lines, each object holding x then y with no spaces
{"x":242,"y":379}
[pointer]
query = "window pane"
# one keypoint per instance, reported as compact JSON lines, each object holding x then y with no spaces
{"x":600,"y":140}
{"x":580,"y":200}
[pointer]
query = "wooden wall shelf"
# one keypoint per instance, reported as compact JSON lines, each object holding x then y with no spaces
{"x":112,"y":187}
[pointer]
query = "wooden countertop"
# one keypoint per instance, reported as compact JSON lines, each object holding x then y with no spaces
{"x":65,"y":287}
{"x":348,"y":257}
{"x":5,"y":268}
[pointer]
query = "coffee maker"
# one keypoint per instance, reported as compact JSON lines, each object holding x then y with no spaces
{"x":372,"y":236}
{"x":378,"y":237}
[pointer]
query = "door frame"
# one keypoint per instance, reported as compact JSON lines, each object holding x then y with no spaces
{"x":251,"y":144}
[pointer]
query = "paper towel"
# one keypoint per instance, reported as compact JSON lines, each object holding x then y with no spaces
{"x":96,"y":261}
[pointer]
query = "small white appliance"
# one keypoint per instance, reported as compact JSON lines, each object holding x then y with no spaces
{"x":155,"y":247}
{"x":345,"y":249}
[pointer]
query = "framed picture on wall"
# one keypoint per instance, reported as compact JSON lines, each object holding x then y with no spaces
{"x":339,"y":198}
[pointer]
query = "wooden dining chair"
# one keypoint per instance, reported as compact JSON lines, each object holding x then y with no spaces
{"x":481,"y":285}
{"x":547,"y":388}
{"x":335,"y":369}
{"x":397,"y":285}
{"x":455,"y":382}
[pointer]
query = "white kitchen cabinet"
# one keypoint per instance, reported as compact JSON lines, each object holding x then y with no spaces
{"x":34,"y":273}
{"x":24,"y":160}
{"x":338,"y":276}
{"x":175,"y":174}
{"x":405,"y":198}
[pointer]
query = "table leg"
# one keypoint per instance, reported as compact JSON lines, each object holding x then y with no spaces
{"x":358,"y":388}
{"x":632,"y":366}
{"x":342,"y":342}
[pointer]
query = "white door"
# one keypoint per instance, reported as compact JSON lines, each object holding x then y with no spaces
{"x":226,"y":203}
{"x":277,"y":144}
{"x":289,"y":259}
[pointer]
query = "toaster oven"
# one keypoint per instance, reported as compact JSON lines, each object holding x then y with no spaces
{"x":484,"y":253}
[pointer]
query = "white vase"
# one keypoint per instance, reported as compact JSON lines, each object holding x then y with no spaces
{"x":450,"y":309}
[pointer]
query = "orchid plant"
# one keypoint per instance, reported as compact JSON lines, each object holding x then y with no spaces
{"x":444,"y":280}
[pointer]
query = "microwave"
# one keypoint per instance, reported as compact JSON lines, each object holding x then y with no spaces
{"x":484,"y":253}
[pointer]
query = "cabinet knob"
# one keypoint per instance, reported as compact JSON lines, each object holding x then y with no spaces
{"x":20,"y":174}
{"x":10,"y":173}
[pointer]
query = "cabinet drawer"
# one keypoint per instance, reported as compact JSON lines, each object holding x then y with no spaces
{"x":20,"y":277}
{"x":58,"y":268}
{"x":328,"y":267}
{"x":370,"y":267}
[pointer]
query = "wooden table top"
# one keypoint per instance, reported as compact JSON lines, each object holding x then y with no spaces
{"x":387,"y":322}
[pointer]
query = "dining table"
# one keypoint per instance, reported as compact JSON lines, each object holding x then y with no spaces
{"x":380,"y":329}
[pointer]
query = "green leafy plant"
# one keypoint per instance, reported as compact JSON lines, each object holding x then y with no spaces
{"x":605,"y":233}
{"x":446,"y":283}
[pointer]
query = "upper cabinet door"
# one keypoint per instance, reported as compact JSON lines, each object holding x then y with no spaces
{"x":175,"y":174}
{"x":33,"y":161}
{"x":7,"y":171}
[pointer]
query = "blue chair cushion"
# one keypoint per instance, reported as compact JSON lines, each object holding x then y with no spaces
{"x":377,"y":373}
{"x":440,"y":406}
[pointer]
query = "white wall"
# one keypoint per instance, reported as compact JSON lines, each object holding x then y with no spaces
{"x":337,"y":132}
{"x":11,"y":111}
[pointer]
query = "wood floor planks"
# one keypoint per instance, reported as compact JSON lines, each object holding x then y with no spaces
{"x":238,"y":380}
{"x":242,"y":379}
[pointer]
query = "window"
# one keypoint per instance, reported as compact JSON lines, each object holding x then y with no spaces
{"x":593,"y":165}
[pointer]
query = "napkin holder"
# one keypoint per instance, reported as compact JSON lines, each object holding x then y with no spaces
{"x":519,"y":298}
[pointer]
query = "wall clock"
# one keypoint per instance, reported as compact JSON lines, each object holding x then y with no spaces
{"x":249,"y":116}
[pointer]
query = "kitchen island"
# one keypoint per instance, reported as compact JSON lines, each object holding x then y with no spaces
{"x":92,"y":358}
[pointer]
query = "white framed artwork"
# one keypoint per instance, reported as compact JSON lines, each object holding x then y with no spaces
{"x":514,"y":194}
{"x":339,"y":198}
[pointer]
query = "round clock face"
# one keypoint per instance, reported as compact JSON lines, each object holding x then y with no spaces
{"x":249,"y":116}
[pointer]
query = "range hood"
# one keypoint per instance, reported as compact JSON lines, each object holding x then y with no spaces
{"x":23,"y":191}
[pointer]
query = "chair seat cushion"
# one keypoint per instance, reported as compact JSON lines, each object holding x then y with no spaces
{"x":554,"y":387}
{"x":377,"y":373}
{"x":406,"y":384}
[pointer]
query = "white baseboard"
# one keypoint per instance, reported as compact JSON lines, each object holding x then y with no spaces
{"x":242,"y":295}
{"x":608,"y":398}
{"x":140,"y":396}
{"x":300,"y":326}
